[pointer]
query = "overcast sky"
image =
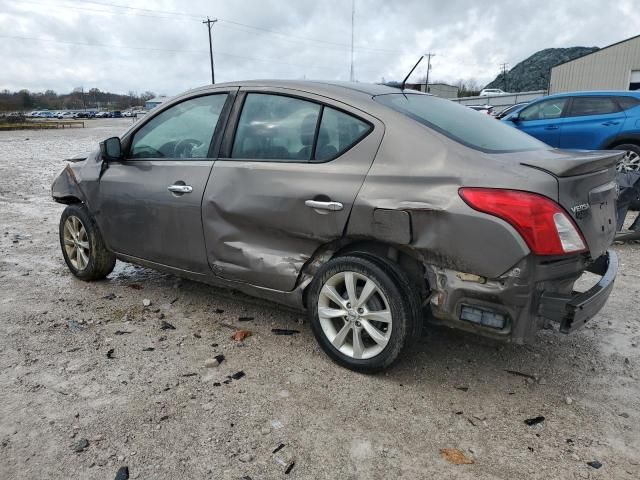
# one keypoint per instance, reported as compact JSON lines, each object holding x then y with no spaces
{"x":162,"y":46}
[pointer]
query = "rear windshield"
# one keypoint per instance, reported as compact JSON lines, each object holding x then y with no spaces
{"x":462,"y":124}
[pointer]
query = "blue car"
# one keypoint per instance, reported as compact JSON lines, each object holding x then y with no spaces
{"x":586,"y":120}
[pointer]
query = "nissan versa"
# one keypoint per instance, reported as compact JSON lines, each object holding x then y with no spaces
{"x":370,"y":207}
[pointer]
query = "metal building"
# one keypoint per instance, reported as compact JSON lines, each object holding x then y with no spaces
{"x":616,"y":67}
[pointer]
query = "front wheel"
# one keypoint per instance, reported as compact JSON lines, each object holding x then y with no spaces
{"x":82,"y":246}
{"x":362,"y":311}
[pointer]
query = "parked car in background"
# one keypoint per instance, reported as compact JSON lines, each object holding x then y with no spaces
{"x":492,"y":91}
{"x":487,"y":109}
{"x":586,"y":120}
{"x":509,"y":110}
{"x":312,"y":194}
{"x":66,"y":115}
{"x":116,"y":114}
{"x":102,"y":115}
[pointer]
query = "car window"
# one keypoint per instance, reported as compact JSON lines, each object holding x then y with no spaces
{"x":460,"y":123}
{"x":338,"y":133}
{"x":582,"y":106}
{"x":628,"y":102}
{"x":545,"y":110}
{"x":182,"y":131}
{"x":276,"y":127}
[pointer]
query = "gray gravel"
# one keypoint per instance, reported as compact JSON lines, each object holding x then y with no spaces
{"x":67,"y":410}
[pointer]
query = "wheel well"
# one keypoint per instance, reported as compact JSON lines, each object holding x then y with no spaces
{"x":621,"y":141}
{"x":68,"y":200}
{"x":408,"y":261}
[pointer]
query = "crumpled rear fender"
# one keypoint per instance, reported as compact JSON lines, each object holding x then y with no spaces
{"x":65,"y":188}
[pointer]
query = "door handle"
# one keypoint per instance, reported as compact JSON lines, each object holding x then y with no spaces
{"x":331,"y":206}
{"x":180,"y":188}
{"x":551,"y":127}
{"x":607,"y":124}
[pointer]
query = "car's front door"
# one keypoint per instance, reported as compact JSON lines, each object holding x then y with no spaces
{"x":543,"y":120}
{"x":150,"y":202}
{"x":590,"y":122}
{"x":290,"y":177}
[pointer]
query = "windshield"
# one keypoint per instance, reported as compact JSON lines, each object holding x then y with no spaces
{"x":462,"y":124}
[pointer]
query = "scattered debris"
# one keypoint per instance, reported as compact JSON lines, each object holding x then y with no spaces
{"x":110,"y":353}
{"x":214,"y":362}
{"x":278,"y":448}
{"x":148,"y":349}
{"x":245,"y":319}
{"x":164,"y":325}
{"x":289,"y":467}
{"x":462,"y":388}
{"x":534,"y":420}
{"x":135,"y":286}
{"x":521,"y":374}
{"x":623,"y":415}
{"x":277,"y":424}
{"x":455,"y":456}
{"x":237,"y":375}
{"x":121,"y":332}
{"x":568,"y":400}
{"x":219,"y":310}
{"x":174,"y":300}
{"x":74,"y":326}
{"x":284,"y":331}
{"x":190,"y":374}
{"x":246,"y":457}
{"x":163,"y":418}
{"x":240,"y":335}
{"x":146,"y":302}
{"x":81,"y":445}
{"x":595,"y":464}
{"x":197,"y":335}
{"x":111,"y":296}
{"x":217,"y":384}
{"x":123,"y":473}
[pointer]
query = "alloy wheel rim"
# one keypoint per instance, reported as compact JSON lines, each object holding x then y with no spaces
{"x":76,"y":243}
{"x":630,"y":162}
{"x":354,"y":315}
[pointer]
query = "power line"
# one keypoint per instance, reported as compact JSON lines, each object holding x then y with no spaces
{"x":353,"y":16}
{"x":233,"y":22}
{"x":504,"y":75}
{"x":210,"y":23}
{"x":426,"y":82}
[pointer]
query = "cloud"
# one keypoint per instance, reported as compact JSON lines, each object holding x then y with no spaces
{"x":69,"y":43}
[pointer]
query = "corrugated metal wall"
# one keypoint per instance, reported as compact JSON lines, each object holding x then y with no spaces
{"x":606,"y":69}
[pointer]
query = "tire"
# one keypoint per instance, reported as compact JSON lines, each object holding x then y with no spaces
{"x":631,"y":161}
{"x":365,"y":337}
{"x":82,"y":246}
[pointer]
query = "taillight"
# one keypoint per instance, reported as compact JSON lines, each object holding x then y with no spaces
{"x":543,"y":224}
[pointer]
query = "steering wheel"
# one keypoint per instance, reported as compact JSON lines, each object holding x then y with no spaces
{"x":184,"y":148}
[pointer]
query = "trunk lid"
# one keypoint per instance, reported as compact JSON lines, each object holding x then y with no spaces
{"x":587,"y":190}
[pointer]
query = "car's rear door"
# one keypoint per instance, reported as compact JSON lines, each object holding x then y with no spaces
{"x":150,"y":202}
{"x":544,"y":119}
{"x":289,"y":171}
{"x":590,"y":122}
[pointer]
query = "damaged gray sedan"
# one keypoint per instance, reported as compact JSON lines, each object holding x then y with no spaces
{"x":371,"y":208}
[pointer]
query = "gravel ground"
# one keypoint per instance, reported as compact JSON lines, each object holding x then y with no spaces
{"x":90,"y":382}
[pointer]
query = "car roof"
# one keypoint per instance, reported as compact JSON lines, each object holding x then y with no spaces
{"x":344,"y":90}
{"x":628,"y":93}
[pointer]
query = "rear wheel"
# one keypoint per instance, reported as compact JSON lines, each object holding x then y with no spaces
{"x":631,"y":160}
{"x":82,"y":246}
{"x":362,"y":312}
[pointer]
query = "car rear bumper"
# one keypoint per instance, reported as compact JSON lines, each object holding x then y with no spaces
{"x":527,"y":298}
{"x":574,"y":310}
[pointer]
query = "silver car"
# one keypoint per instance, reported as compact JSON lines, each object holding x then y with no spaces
{"x":373,"y":209}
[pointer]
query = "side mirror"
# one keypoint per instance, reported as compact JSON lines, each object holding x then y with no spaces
{"x":111,"y":149}
{"x":515,"y":118}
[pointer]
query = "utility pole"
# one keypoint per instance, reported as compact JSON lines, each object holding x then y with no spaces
{"x":210,"y":23}
{"x":504,"y":75}
{"x":426,"y":86}
{"x":353,"y":15}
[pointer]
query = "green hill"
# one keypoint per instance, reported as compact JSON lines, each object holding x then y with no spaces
{"x":534,"y":72}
